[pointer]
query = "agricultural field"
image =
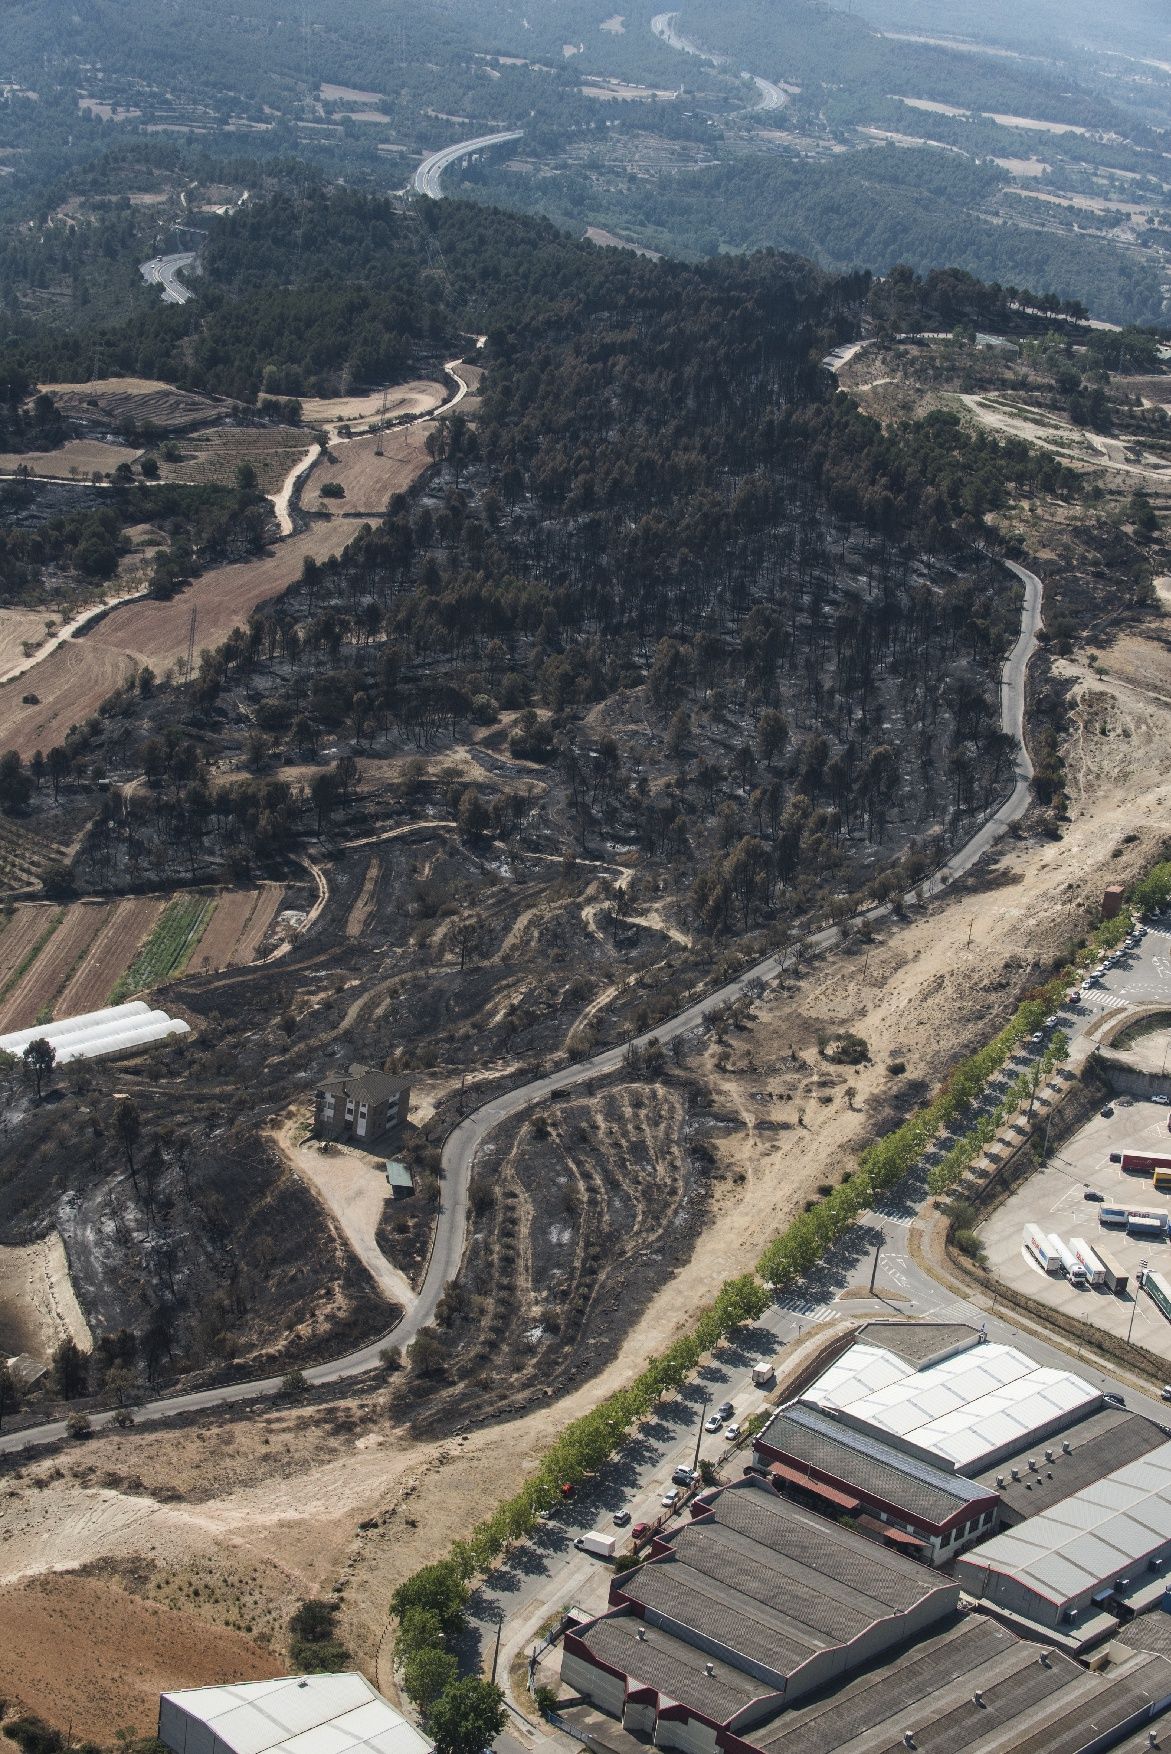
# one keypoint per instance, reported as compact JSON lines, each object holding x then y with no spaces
{"x":133,"y":402}
{"x":62,"y":961}
{"x":367,"y":479}
{"x":78,"y":459}
{"x":21,"y":630}
{"x":210,"y":458}
{"x":418,"y":397}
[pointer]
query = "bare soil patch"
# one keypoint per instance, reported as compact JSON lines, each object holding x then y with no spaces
{"x":38,"y":1306}
{"x":362,"y":908}
{"x":352,"y":1185}
{"x":103,"y":1657}
{"x":19,"y":935}
{"x":212,"y":457}
{"x":113,"y":949}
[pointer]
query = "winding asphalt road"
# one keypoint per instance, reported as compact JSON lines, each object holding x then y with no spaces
{"x":465,"y":1140}
{"x":429,"y":175}
{"x":163,"y":272}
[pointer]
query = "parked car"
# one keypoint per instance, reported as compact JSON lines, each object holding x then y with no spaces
{"x":1165,"y":1392}
{"x":670,"y":1498}
{"x":640,"y":1531}
{"x":1093,"y":1194}
{"x":1114,"y":1400}
{"x":725,"y":1410}
{"x":1106,"y":1112}
{"x":682,"y":1475}
{"x":1163,"y":1101}
{"x":733,"y":1434}
{"x":712,"y":1422}
{"x":1037,"y":1037}
{"x":621,"y":1518}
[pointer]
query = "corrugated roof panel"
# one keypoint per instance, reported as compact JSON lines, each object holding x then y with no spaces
{"x":303,"y":1714}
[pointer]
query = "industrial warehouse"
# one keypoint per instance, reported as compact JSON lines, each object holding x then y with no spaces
{"x":926,"y":1542}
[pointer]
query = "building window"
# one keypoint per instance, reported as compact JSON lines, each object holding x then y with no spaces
{"x":349,"y":1108}
{"x":327,"y":1108}
{"x":361,"y":1111}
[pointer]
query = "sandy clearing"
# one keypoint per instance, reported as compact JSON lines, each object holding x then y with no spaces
{"x":346,"y":94}
{"x":113,"y":950}
{"x":353,"y":1187}
{"x":18,"y":628}
{"x":615,"y":25}
{"x":38,"y":1306}
{"x":1031,"y":124}
{"x":103,"y":1656}
{"x":252,"y":933}
{"x":38,"y":989}
{"x":596,"y":234}
{"x":935,"y":109}
{"x":1023,"y":167}
{"x":369,"y":480}
{"x":417,"y":397}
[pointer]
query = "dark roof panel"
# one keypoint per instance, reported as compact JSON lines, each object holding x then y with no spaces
{"x":1108,"y":1440}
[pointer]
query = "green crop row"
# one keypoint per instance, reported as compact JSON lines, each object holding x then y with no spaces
{"x":169,"y":947}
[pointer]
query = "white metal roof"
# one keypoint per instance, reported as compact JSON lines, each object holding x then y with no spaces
{"x":1089,"y":1539}
{"x":960,"y":1410}
{"x":302,"y":1714}
{"x":109,"y":1031}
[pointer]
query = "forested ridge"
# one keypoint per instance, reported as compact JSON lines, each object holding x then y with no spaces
{"x":662,"y":499}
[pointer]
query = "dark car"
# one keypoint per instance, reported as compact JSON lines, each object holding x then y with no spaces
{"x":1116,"y":1157}
{"x":1106,"y":1112}
{"x":1114,"y":1400}
{"x":621,"y":1518}
{"x":1092,"y":1194}
{"x":725,"y":1410}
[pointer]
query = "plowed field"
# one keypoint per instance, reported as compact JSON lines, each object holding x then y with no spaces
{"x":261,"y":918}
{"x":126,"y":926}
{"x":39,"y":986}
{"x":141,"y":401}
{"x":231,"y":915}
{"x":19,"y":935}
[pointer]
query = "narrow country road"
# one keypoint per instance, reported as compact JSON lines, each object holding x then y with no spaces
{"x":464,"y":1141}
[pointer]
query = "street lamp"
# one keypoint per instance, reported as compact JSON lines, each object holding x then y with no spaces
{"x":1142,"y":1267}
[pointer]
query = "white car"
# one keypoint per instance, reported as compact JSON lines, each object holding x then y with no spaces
{"x":670,"y":1498}
{"x":733,"y":1434}
{"x":713,"y":1422}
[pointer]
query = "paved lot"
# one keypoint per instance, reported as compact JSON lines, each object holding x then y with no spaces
{"x":1054,"y":1200}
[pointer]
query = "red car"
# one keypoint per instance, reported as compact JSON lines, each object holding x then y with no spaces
{"x":639,"y":1532}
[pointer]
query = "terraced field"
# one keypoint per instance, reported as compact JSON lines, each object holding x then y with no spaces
{"x":23,"y":857}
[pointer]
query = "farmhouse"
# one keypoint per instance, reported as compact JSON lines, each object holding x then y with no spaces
{"x":364,"y":1105}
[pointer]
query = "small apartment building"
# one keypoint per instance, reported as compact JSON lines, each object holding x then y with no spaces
{"x":362,"y":1107}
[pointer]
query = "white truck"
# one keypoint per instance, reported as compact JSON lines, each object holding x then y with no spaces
{"x":763,"y":1375}
{"x":1095,"y":1269}
{"x":601,"y":1546}
{"x":1074,"y":1271}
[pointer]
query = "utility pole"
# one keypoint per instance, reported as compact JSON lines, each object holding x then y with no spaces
{"x":496,"y":1652}
{"x":190,"y":646}
{"x":874,"y":1268}
{"x":1142,"y":1267}
{"x":971,"y":928}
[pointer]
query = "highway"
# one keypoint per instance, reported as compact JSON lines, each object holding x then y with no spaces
{"x":465,"y":1140}
{"x":163,"y":271}
{"x":429,"y":176}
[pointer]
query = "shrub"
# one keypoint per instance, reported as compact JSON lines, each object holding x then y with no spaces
{"x":545,"y":1698}
{"x":314,"y":1647}
{"x":78,"y":1426}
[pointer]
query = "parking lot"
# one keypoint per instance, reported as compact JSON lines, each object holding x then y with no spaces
{"x":1055,"y":1200}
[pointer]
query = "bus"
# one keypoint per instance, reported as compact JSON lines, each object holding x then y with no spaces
{"x":1095,"y":1271}
{"x":1038,"y":1245}
{"x":1158,"y":1290}
{"x":1114,"y":1278}
{"x":1142,"y":1162}
{"x":1070,"y":1265}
